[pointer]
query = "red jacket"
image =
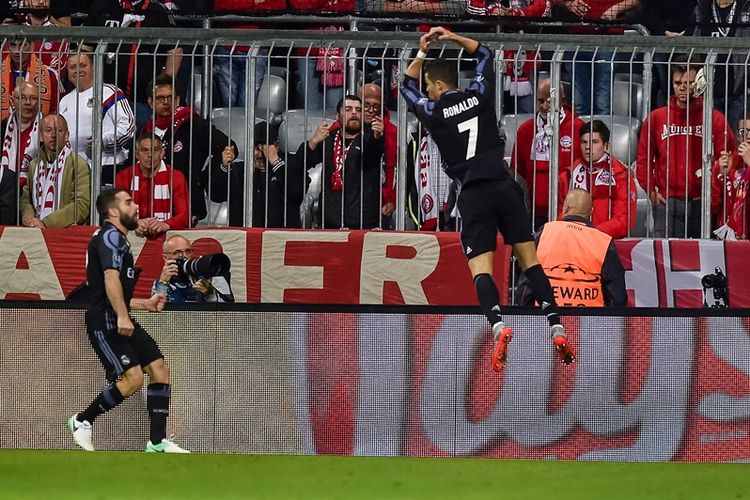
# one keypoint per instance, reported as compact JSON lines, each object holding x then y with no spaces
{"x":173,"y":184}
{"x":536,"y":172}
{"x":612,"y":190}
{"x":676,"y":147}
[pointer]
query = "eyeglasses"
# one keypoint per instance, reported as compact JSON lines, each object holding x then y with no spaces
{"x":181,"y":254}
{"x":371,"y":107}
{"x":163,"y":98}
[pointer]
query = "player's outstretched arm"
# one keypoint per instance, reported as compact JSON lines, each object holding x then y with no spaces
{"x":155,"y":303}
{"x":415,"y":68}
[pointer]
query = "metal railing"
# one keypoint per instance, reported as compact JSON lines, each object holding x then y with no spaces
{"x":633,"y":57}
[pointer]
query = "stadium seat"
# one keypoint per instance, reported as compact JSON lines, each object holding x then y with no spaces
{"x":629,"y":77}
{"x":197,"y":89}
{"x":510,"y":124}
{"x":272,"y":95}
{"x":278,"y":71}
{"x":233,"y":124}
{"x":294,"y":130}
{"x":627,"y":98}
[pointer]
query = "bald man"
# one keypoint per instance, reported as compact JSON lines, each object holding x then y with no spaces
{"x":581,"y":262}
{"x":373,"y":108}
{"x":58,"y":191}
{"x":531,"y":151}
{"x":187,"y":289}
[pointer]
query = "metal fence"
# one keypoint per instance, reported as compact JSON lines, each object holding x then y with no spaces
{"x":667,"y":180}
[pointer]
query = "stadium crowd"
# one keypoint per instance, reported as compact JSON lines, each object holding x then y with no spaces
{"x":184,"y":168}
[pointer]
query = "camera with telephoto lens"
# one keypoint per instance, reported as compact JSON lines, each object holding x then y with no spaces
{"x":206,"y":266}
{"x":717,"y":283}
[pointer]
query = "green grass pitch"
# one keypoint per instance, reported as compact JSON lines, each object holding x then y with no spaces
{"x":111,"y":475}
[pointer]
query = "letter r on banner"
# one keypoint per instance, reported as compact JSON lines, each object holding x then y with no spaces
{"x":276,"y":277}
{"x":377,"y":268}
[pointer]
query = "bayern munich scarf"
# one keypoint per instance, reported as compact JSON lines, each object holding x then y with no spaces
{"x":339,"y":159}
{"x":580,"y":176}
{"x":47,"y":183}
{"x":432,"y":182}
{"x":12,"y":146}
{"x":543,"y":137}
{"x":160,"y":196}
{"x":177,"y":119}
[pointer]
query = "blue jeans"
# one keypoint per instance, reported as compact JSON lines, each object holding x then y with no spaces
{"x":579,"y":73}
{"x":229,"y":75}
{"x":311,"y":84}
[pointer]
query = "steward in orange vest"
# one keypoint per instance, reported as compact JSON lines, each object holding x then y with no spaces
{"x":580,"y":261}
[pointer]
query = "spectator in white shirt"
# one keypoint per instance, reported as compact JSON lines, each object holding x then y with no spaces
{"x":118,"y":123}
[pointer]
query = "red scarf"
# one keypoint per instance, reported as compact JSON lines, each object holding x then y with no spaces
{"x":339,"y":158}
{"x":180,"y":116}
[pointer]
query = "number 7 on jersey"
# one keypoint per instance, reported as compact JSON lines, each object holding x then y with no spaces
{"x":472,"y":125}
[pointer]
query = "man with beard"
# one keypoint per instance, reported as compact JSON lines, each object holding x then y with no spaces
{"x":124,"y":348}
{"x":58,"y":192}
{"x":350,"y":197}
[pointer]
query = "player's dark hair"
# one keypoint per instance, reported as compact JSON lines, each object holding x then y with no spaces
{"x":597,"y":126}
{"x":106,"y":200}
{"x":347,"y":97}
{"x":445,"y":71}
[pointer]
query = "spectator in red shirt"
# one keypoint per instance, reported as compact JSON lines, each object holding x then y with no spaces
{"x":730,"y":180}
{"x":609,"y":182}
{"x":372,"y":106}
{"x":531,"y":151}
{"x":160,"y":191}
{"x":670,"y":152}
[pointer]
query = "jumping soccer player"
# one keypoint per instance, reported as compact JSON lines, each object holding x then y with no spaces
{"x":125,"y":349}
{"x":464,"y":126}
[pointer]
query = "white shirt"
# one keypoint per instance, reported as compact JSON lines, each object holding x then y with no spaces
{"x":118,"y":125}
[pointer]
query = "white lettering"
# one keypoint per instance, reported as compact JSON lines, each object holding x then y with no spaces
{"x":40,"y":278}
{"x":377,"y":268}
{"x":462,"y":106}
{"x":276,"y":276}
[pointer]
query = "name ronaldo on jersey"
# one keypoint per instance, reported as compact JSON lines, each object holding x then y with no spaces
{"x":462,"y":106}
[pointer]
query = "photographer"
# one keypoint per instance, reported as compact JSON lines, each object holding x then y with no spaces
{"x":179,"y":286}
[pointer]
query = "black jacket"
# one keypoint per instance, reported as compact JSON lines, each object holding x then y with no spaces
{"x":8,"y":198}
{"x":361,"y":182}
{"x":191,"y":155}
{"x":613,"y":274}
{"x":268,"y":191}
